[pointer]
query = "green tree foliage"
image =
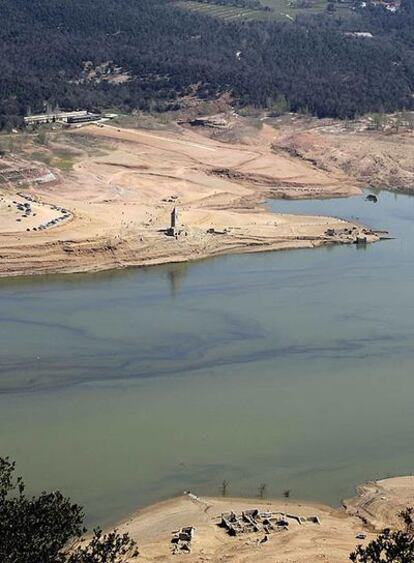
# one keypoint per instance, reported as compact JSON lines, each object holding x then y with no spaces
{"x":110,"y":548}
{"x":390,"y":546}
{"x":41,"y":137}
{"x":407,"y":516}
{"x":42,"y":529}
{"x":379,"y":121}
{"x":279,"y":106}
{"x":170,"y":52}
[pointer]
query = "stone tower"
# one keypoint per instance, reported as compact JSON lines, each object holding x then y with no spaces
{"x":174,"y":219}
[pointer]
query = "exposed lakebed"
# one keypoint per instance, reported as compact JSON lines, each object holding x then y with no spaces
{"x":294,"y":369}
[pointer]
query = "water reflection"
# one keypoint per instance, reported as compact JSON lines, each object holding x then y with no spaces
{"x":176,"y":274}
{"x":292,"y":369}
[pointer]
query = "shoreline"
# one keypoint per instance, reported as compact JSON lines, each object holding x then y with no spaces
{"x":334,"y":534}
{"x":129,"y":264}
{"x":119,"y":205}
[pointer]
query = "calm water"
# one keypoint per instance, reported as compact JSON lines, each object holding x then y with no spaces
{"x":294,"y":369}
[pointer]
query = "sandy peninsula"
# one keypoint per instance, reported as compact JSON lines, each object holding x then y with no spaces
{"x":331,"y":538}
{"x":113,"y":208}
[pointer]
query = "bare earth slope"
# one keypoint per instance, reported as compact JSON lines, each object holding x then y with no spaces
{"x":330,"y":540}
{"x":381,"y":159}
{"x":113,"y":209}
{"x":380,"y":502}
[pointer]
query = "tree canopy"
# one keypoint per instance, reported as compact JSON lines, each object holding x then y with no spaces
{"x":44,"y":528}
{"x":391,"y":546}
{"x":66,"y":52}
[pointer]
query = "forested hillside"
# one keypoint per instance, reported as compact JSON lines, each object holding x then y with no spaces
{"x":163,"y":52}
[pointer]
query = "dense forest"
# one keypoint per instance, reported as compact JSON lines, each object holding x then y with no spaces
{"x":168,"y":52}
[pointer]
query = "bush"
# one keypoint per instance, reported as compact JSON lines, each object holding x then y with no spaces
{"x":44,"y":528}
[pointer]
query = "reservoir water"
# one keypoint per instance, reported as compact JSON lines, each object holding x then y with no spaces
{"x":294,"y":369}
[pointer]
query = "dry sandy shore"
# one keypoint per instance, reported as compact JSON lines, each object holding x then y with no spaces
{"x":331,"y":541}
{"x":118,"y":204}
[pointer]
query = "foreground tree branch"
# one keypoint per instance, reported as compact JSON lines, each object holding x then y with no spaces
{"x":44,"y":528}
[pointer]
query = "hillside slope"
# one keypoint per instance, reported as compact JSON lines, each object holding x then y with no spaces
{"x":147,"y":54}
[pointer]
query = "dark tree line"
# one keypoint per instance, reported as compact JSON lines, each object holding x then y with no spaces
{"x":170,"y":52}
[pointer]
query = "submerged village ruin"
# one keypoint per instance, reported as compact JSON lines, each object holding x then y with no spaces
{"x":131,"y":197}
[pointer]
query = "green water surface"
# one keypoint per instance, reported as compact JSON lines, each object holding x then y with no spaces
{"x":294,"y":369}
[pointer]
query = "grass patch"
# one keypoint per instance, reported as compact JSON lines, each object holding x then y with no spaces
{"x":289,"y":9}
{"x":41,"y":156}
{"x":87,"y":143}
{"x":227,"y":13}
{"x":145,"y":120}
{"x":61,"y":159}
{"x":281,"y":10}
{"x":64,"y":164}
{"x":13,"y":143}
